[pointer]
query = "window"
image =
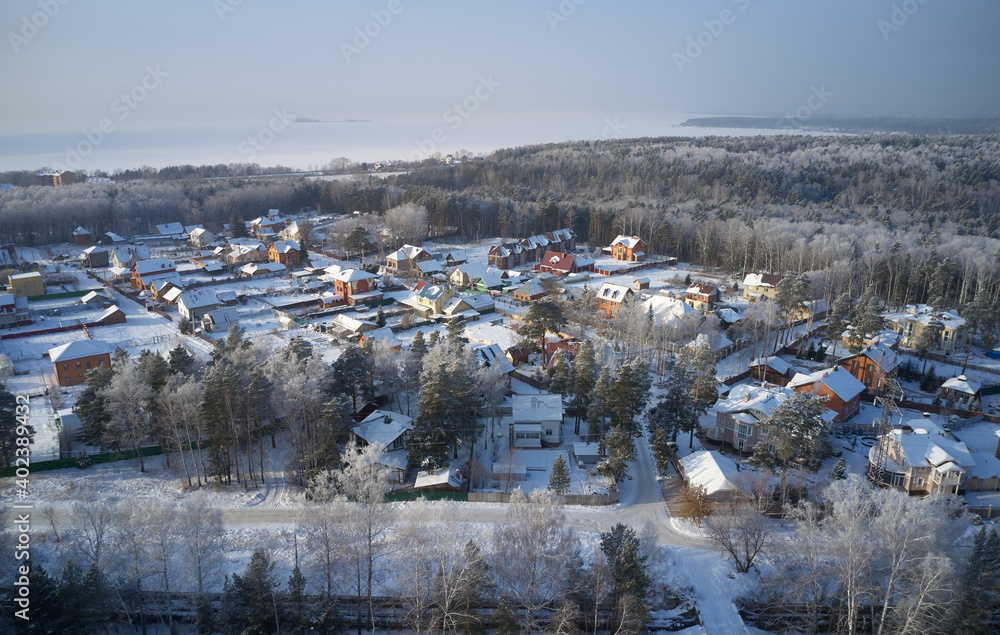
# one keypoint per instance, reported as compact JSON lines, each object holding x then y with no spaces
{"x":78,"y":366}
{"x":68,"y":380}
{"x":65,"y":366}
{"x":548,"y":433}
{"x":920,"y":482}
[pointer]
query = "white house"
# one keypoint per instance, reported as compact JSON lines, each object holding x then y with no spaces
{"x":537,"y":419}
{"x":193,"y":305}
{"x":219,"y":320}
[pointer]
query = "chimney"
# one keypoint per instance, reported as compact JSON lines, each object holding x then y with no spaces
{"x":927,"y":415}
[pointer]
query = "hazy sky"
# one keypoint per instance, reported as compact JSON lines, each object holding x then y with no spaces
{"x":227,"y":61}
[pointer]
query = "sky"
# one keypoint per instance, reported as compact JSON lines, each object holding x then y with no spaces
{"x":209,"y":63}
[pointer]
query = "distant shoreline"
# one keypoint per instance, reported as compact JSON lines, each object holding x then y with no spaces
{"x":853,"y":125}
{"x":311,"y":120}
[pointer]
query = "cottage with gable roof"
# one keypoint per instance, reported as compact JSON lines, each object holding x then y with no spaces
{"x":537,"y":420}
{"x":760,"y":285}
{"x":628,"y":248}
{"x":843,"y":390}
{"x":610,"y":297}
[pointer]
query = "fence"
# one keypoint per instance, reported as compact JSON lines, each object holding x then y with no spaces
{"x":107,"y":457}
{"x":500,"y":497}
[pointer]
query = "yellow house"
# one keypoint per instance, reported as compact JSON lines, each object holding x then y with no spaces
{"x":24,"y":285}
{"x":432,"y":299}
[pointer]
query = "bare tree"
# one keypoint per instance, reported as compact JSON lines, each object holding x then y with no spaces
{"x":93,"y":522}
{"x":179,"y":413}
{"x":741,"y":532}
{"x":201,"y":545}
{"x":127,"y":399}
{"x":530,"y":552}
{"x":407,"y":223}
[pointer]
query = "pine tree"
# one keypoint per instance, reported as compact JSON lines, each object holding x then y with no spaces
{"x":180,"y":361}
{"x":582,"y":382}
{"x":675,"y":412}
{"x":419,"y":346}
{"x":661,"y":450}
{"x":380,"y":317}
{"x":10,"y":427}
{"x":559,"y":479}
{"x":248,"y":600}
{"x":979,"y":586}
{"x":542,"y":317}
{"x":628,"y":569}
{"x":432,"y":341}
{"x":840,"y":469}
{"x":629,"y":395}
{"x":621,"y":450}
{"x":559,"y":382}
{"x":296,"y":613}
{"x":597,"y":411}
{"x":839,"y":317}
{"x":237,"y":226}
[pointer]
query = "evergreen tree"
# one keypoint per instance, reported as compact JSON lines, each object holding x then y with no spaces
{"x":929,"y":382}
{"x":840,"y":469}
{"x":582,"y":381}
{"x":621,"y":450}
{"x":419,"y":346}
{"x":675,"y":411}
{"x":352,"y":376}
{"x":184,"y":326}
{"x":248,"y":600}
{"x":91,"y":404}
{"x":237,"y":226}
{"x":559,"y":382}
{"x":597,"y":411}
{"x":628,"y":568}
{"x":45,"y":613}
{"x":559,"y":479}
{"x":433,"y":339}
{"x":629,"y":395}
{"x":180,"y":361}
{"x":295,"y":616}
{"x":154,"y":367}
{"x":978,"y":606}
{"x":811,"y":353}
{"x":380,"y":317}
{"x":867,"y":322}
{"x":661,"y":450}
{"x":542,"y":317}
{"x":504,"y":620}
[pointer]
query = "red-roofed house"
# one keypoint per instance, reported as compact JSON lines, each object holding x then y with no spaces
{"x":839,"y":385}
{"x":561,"y":264}
{"x":702,"y":297}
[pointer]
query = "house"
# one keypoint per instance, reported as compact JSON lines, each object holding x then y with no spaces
{"x":55,"y":177}
{"x":489,"y":283}
{"x":93,"y":257}
{"x":464,"y":276}
{"x":530,"y":291}
{"x":82,"y":237}
{"x":111,"y":315}
{"x":146,"y":272}
{"x":201,"y":237}
{"x":354,"y":285}
{"x":114,"y":238}
{"x":226,"y":298}
{"x":390,"y":430}
{"x":8,"y":255}
{"x":13,"y":311}
{"x":491,"y":355}
{"x":292,"y":232}
{"x":432,"y":299}
{"x":286,"y":252}
{"x":71,"y":362}
{"x":480,"y":302}
{"x":561,"y":239}
{"x":628,"y":248}
{"x":640,"y":283}
{"x":161,"y":288}
{"x":26,"y":285}
{"x":841,"y":388}
{"x":738,"y":415}
{"x":266,"y":227}
{"x":352,"y":326}
{"x":194,"y":305}
{"x":429,"y":269}
{"x":716,"y":473}
{"x":507,"y":256}
{"x":811,"y":310}
{"x":534,"y":247}
{"x":96,"y":297}
{"x":760,"y":285}
{"x":610,"y":297}
{"x":911,"y":323}
{"x":923,"y":458}
{"x":255,"y":270}
{"x":561,"y":264}
{"x":170,"y":229}
{"x":536,"y":420}
{"x":666,"y":309}
{"x":125,"y":256}
{"x":772,"y":370}
{"x":219,"y":320}
{"x":457,"y":306}
{"x":446,"y":479}
{"x":962,"y":390}
{"x":702,"y":297}
{"x":404,"y":260}
{"x":871,"y":365}
{"x":384,"y":335}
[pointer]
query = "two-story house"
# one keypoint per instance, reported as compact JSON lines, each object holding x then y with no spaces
{"x":610,"y":297}
{"x":287,"y":252}
{"x":628,"y":248}
{"x":391,"y":431}
{"x":354,"y":285}
{"x":842,"y":389}
{"x":911,"y":324}
{"x":702,"y":297}
{"x":146,"y":272}
{"x":536,"y":420}
{"x":404,"y":260}
{"x":922,"y":458}
{"x":71,"y":362}
{"x":872,"y":365}
{"x":760,"y":285}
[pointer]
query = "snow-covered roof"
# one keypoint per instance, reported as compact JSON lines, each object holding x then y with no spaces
{"x":285,"y":246}
{"x":472,"y":270}
{"x":749,"y":397}
{"x":487,"y":333}
{"x":430,"y":266}
{"x":773,"y":362}
{"x":986,"y":466}
{"x":962,"y":384}
{"x":882,"y":355}
{"x":924,"y":314}
{"x":537,"y":408}
{"x":197,"y":299}
{"x":711,"y":470}
{"x":729,"y":315}
{"x":144,"y":267}
{"x":115,"y":238}
{"x":923,"y":448}
{"x":108,"y":312}
{"x":629,"y":241}
{"x":353,"y":325}
{"x":95,"y":250}
{"x":432,"y":291}
{"x":444,"y":476}
{"x":169,"y":229}
{"x":613,"y":292}
{"x":493,"y":356}
{"x":530,"y":288}
{"x":383,"y":334}
{"x":173,"y":294}
{"x":81,"y":231}
{"x":226,"y":315}
{"x":226,"y":296}
{"x":480,"y":301}
{"x":79,"y":349}
{"x":840,"y":382}
{"x":254,"y":268}
{"x":490,"y":281}
{"x":382,"y":427}
{"x":349,"y":275}
{"x":666,"y":309}
{"x":761,"y":280}
{"x":699,"y":288}
{"x":94,"y":296}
